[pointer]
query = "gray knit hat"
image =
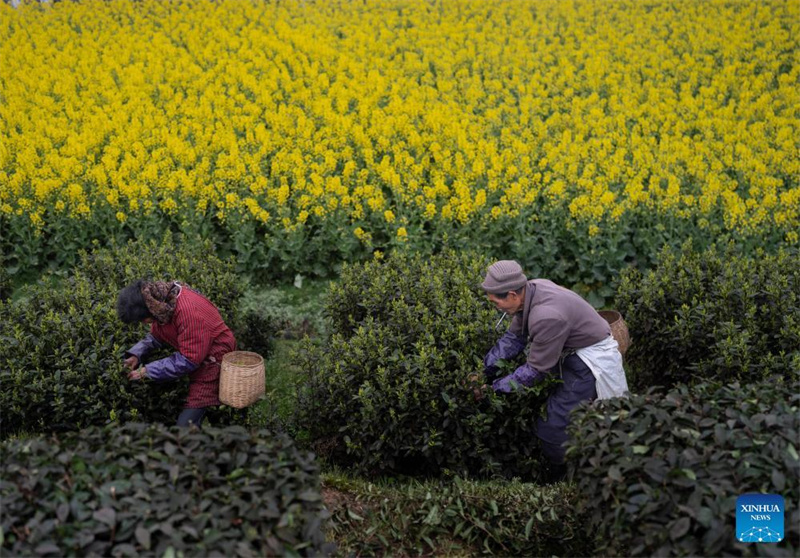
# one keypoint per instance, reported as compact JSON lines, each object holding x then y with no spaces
{"x":504,"y":276}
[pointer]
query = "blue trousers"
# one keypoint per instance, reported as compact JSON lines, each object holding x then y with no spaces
{"x":579,"y":385}
{"x":191,"y":416}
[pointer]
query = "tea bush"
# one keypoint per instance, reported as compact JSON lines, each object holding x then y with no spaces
{"x":62,"y":348}
{"x":660,"y":474}
{"x":173,"y":258}
{"x":147,"y":490}
{"x":257,"y":333}
{"x":387,"y":391}
{"x":457,"y":517}
{"x":6,"y":285}
{"x":715,"y":314}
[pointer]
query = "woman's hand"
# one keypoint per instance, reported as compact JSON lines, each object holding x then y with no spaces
{"x":480,"y":392}
{"x":479,"y":389}
{"x":132,"y":362}
{"x":137,"y":374}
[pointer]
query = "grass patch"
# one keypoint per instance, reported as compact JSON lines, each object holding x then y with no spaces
{"x":282,"y":378}
{"x":296,"y":310}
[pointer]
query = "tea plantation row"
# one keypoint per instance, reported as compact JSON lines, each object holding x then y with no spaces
{"x":131,"y":489}
{"x":62,"y":343}
{"x":386,"y":394}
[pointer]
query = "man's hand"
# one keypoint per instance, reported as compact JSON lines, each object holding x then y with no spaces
{"x":491,"y":372}
{"x":132,"y":362}
{"x":137,"y":374}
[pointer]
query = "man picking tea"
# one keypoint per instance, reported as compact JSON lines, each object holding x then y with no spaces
{"x":567,"y":338}
{"x":185,"y":320}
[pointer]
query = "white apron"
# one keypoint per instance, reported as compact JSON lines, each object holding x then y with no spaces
{"x":605,"y":362}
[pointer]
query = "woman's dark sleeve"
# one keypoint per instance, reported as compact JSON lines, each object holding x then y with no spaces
{"x":143,"y":347}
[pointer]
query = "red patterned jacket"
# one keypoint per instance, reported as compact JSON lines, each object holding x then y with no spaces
{"x":201,"y":338}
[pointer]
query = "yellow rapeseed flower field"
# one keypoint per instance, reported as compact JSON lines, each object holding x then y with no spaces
{"x":395,"y":119}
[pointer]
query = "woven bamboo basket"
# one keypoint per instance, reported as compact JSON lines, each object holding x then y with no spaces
{"x":241,"y":379}
{"x":619,"y":329}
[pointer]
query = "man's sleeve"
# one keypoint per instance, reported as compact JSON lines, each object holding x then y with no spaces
{"x":143,"y":347}
{"x":548,"y":343}
{"x":508,"y":346}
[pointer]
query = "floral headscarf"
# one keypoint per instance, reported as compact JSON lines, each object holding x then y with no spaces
{"x":161,"y":298}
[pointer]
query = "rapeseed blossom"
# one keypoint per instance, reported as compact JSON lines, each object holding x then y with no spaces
{"x":288,"y":115}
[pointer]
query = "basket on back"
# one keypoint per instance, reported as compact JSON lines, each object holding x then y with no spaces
{"x":619,"y":329}
{"x":241,"y":379}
